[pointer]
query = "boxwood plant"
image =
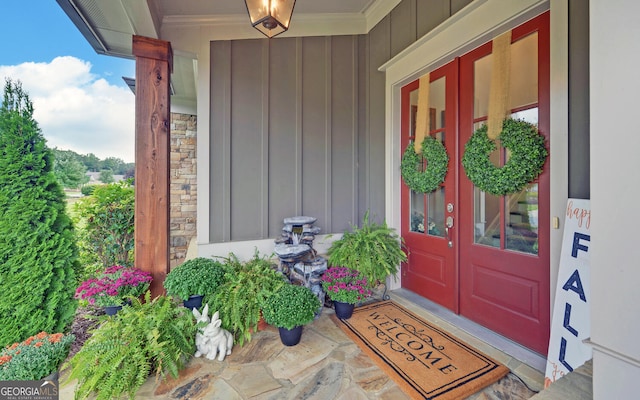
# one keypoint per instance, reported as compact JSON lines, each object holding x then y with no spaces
{"x":198,"y":276}
{"x":291,"y":306}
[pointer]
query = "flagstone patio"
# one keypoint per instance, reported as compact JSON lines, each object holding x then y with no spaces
{"x":325,"y":365}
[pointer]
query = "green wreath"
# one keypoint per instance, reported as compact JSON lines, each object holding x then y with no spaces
{"x":527,"y":157}
{"x":437,"y":165}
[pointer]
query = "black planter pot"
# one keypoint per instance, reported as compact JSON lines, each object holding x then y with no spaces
{"x":112,"y":310}
{"x":290,"y":337}
{"x":343,"y":310}
{"x":193,"y":302}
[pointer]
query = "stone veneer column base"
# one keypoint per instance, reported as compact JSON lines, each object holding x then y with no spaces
{"x":183,"y":186}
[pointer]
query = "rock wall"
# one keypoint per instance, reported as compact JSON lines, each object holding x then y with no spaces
{"x":183,"y":186}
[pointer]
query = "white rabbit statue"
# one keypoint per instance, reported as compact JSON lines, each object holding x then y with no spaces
{"x":212,"y":339}
{"x":204,"y":317}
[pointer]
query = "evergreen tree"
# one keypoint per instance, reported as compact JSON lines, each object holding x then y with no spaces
{"x":71,"y":173}
{"x":106,"y":176}
{"x":38,"y":255}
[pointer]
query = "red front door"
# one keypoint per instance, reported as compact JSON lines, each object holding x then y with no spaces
{"x":485,"y":257}
{"x":431,"y":268}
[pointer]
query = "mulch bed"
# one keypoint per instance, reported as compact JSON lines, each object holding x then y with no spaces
{"x":83,"y":323}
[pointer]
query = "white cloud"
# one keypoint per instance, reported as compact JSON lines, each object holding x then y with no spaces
{"x":76,"y":109}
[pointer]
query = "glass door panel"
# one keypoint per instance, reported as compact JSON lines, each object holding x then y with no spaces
{"x":513,"y":216}
{"x":428,"y":210}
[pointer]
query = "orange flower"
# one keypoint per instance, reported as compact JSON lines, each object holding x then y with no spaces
{"x":42,"y":335}
{"x":55,"y":338}
{"x":38,"y":344}
{"x":5,"y":359}
{"x":28,"y":341}
{"x":13,"y":346}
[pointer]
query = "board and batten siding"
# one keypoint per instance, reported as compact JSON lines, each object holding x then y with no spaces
{"x":284,"y":121}
{"x":298,"y":125}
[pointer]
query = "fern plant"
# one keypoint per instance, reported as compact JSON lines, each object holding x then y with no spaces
{"x":373,"y":249}
{"x":240,"y":298}
{"x":149,"y":337}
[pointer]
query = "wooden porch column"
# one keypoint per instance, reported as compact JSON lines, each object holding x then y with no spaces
{"x":154,"y":61}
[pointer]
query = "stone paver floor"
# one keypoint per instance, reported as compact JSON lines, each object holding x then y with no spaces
{"x":325,"y":365}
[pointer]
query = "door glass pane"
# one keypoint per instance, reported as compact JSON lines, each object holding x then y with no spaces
{"x":522,"y":225}
{"x":436,"y":199}
{"x":481,"y":86}
{"x":486,"y":218}
{"x":427,"y":210}
{"x":416,"y":222}
{"x":417,"y":212}
{"x":436,"y":212}
{"x":524,"y":72}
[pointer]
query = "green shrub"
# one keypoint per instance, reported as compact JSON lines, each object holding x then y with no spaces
{"x":87,"y":190}
{"x":291,"y":306}
{"x":38,"y":254}
{"x":35,"y":357}
{"x":155,"y":336}
{"x":199,"y":276}
{"x":107,"y":220}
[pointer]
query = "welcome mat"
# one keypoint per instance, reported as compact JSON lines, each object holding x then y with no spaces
{"x":426,"y":362}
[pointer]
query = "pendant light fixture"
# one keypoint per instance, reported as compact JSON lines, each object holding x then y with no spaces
{"x":271,"y":17}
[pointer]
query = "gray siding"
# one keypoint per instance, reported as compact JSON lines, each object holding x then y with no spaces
{"x":372,"y":141}
{"x":579,"y":160}
{"x":289,"y":146}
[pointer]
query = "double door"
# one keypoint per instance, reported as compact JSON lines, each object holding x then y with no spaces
{"x":482,"y":256}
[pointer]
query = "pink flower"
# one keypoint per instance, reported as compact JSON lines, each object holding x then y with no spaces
{"x":114,"y":285}
{"x":345,"y":285}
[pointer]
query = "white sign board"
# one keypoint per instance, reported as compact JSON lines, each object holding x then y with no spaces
{"x":571,"y":323}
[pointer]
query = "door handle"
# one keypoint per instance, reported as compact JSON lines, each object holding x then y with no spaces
{"x":448,"y":227}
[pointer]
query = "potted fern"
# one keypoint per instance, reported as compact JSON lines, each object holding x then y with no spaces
{"x":289,"y":308}
{"x":373,"y":249}
{"x":149,"y":337}
{"x":239,"y":299}
{"x":193,"y":279}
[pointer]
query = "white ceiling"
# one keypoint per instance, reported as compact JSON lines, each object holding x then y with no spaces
{"x":216,"y":7}
{"x":108,"y":25}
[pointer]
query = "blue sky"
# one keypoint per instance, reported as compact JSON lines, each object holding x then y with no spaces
{"x":80,"y":100}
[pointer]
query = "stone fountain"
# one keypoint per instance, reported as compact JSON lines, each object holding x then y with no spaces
{"x":299,"y":261}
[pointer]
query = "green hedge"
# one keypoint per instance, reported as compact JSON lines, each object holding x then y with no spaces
{"x":38,"y":256}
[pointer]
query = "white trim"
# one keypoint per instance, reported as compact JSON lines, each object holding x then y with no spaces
{"x":612,"y":353}
{"x":471,"y":27}
{"x":183,"y":105}
{"x":203,"y":155}
{"x":559,"y":126}
{"x":244,"y":250}
{"x":377,"y":11}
